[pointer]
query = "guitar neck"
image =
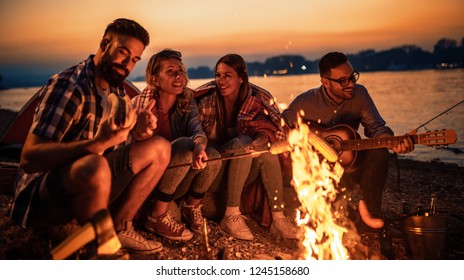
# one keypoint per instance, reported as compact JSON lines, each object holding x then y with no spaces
{"x":374,"y":143}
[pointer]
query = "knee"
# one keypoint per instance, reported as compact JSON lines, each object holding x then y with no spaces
{"x":268,"y":159}
{"x":380,"y":155}
{"x":91,"y":170}
{"x":182,"y":150}
{"x":240,"y":142}
{"x":160,"y":150}
{"x":383,"y":152}
{"x":183,"y":144}
{"x":213,"y":154}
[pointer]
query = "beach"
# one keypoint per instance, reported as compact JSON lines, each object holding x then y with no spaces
{"x":417,"y":181}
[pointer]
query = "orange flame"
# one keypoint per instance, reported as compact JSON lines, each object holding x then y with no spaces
{"x":314,"y":181}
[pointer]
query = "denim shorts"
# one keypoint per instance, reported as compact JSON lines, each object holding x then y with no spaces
{"x":54,"y":206}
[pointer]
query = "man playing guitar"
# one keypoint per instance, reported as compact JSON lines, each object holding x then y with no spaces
{"x":340,"y":101}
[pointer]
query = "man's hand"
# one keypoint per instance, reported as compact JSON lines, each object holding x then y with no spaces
{"x":108,"y":135}
{"x":405,"y":146}
{"x":121,"y":113}
{"x":146,"y":122}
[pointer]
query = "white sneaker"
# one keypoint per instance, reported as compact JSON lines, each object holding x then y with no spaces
{"x":132,"y":241}
{"x":285,"y":228}
{"x":235,"y":225}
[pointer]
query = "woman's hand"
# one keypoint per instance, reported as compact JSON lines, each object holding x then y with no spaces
{"x":199,"y":157}
{"x":260,"y":142}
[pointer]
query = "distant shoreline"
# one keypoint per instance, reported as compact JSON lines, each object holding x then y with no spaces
{"x":447,"y":54}
{"x":142,"y":79}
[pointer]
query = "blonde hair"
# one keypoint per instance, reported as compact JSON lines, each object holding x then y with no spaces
{"x":153,"y":69}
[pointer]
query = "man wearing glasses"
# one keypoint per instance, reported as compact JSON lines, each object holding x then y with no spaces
{"x":340,"y":101}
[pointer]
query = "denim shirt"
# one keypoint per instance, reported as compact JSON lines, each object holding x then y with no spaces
{"x":183,"y":124}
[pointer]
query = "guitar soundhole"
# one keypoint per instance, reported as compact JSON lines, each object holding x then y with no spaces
{"x":335,"y":142}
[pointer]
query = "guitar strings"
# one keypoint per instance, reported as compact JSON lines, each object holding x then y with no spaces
{"x":439,"y":115}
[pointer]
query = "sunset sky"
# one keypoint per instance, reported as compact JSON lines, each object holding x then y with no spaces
{"x":49,"y":35}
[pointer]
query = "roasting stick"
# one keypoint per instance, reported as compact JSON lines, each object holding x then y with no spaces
{"x":279,"y":147}
{"x":226,"y":156}
{"x":209,"y":253}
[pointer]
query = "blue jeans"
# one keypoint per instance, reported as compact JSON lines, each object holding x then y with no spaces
{"x":236,"y":173}
{"x":371,"y":176}
{"x":268,"y":166}
{"x":177,"y":181}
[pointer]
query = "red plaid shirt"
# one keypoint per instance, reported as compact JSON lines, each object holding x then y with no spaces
{"x":258,"y":114}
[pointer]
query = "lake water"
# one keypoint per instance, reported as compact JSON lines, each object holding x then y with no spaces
{"x":405,"y":99}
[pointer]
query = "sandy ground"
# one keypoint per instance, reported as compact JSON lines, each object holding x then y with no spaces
{"x":418,"y":180}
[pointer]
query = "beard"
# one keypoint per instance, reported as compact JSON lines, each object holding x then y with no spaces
{"x":114,"y":78}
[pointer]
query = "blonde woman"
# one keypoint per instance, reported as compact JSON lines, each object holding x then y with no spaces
{"x":167,"y":96}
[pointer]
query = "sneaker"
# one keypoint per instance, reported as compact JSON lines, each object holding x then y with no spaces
{"x":132,"y":241}
{"x":285,"y":228}
{"x":235,"y":225}
{"x":192,"y":215}
{"x":167,"y":227}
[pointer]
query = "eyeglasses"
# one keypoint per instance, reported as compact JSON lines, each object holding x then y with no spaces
{"x":346,"y":81}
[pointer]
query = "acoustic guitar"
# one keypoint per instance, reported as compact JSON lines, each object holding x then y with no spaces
{"x":346,"y":141}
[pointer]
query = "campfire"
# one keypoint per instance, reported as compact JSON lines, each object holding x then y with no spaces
{"x":315,"y":183}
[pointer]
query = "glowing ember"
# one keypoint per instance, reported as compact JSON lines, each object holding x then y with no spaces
{"x":314,"y":181}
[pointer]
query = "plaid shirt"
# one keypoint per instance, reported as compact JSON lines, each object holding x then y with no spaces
{"x":182,"y":123}
{"x":258,"y":114}
{"x":69,"y":109}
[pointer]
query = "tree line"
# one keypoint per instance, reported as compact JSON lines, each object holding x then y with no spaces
{"x":447,"y":54}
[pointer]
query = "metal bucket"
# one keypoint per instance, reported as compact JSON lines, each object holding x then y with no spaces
{"x":426,"y":236}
